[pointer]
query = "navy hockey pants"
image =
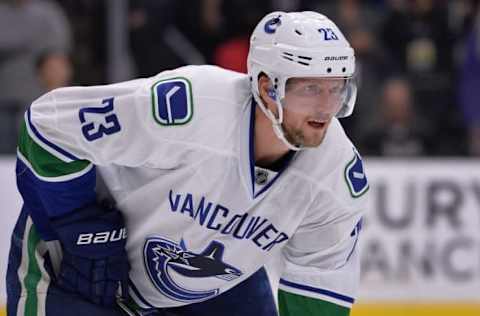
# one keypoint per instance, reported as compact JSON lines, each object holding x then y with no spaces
{"x":31,"y":290}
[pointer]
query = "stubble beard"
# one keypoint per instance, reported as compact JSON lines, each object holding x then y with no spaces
{"x":296,"y":136}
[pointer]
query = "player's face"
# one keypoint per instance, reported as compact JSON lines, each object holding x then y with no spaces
{"x":309,"y":106}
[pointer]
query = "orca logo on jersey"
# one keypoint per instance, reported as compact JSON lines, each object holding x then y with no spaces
{"x":355,"y":176}
{"x":172,"y":101}
{"x":166,"y":260}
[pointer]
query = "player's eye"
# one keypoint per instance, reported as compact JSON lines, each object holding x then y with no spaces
{"x":311,"y":90}
{"x":336,"y":90}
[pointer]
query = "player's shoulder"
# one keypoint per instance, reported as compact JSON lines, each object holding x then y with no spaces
{"x":335,"y":167}
{"x":212,"y":92}
{"x":197,"y":104}
{"x":208,"y":81}
{"x":191,"y":105}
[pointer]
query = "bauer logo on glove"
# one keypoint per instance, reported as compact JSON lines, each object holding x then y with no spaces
{"x":102,"y":237}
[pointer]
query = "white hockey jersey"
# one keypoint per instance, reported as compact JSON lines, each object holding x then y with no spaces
{"x":175,"y":152}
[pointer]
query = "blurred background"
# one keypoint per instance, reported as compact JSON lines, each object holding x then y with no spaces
{"x":416,"y":122}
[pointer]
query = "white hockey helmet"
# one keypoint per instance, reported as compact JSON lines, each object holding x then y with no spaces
{"x":298,"y":45}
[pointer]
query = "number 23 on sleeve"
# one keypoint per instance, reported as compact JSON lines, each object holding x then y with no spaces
{"x":92,"y":131}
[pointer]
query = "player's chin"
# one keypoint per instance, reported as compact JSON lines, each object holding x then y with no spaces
{"x":312,"y":143}
{"x":314,"y":138}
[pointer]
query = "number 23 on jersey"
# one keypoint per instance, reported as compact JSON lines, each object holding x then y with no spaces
{"x":93,"y":127}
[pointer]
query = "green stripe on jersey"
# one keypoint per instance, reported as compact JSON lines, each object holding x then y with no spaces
{"x":33,"y":274}
{"x":130,"y":307}
{"x":297,"y":305}
{"x":44,"y":163}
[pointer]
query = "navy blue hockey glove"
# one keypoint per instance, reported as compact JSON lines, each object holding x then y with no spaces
{"x":94,"y":260}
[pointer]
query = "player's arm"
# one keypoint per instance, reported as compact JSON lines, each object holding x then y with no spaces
{"x":320,"y":282}
{"x":69,"y":131}
{"x":59,"y":145}
{"x":322,"y":258}
{"x":60,"y":198}
{"x":66,"y":133}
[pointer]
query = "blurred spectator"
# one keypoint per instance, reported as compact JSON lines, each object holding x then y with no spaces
{"x":461,"y":16}
{"x":416,"y":33}
{"x":360,"y":22}
{"x":89,"y":25}
{"x":165,"y":34}
{"x":10,"y":115}
{"x":54,"y":70}
{"x":203,"y":24}
{"x":27,"y":28}
{"x":351,"y":14}
{"x":398,"y":133}
{"x":434,"y":43}
{"x":149,"y":21}
{"x":39,"y":25}
{"x":232,"y":52}
{"x":469,"y":88}
{"x":372,"y":68}
{"x":420,"y":38}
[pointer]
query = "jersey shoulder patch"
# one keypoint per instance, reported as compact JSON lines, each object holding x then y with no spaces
{"x":172,"y":101}
{"x":355,"y":176}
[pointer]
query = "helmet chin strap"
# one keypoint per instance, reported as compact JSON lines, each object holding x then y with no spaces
{"x":276,"y":123}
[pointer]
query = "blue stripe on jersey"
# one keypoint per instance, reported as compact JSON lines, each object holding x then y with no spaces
{"x":46,"y":141}
{"x":44,"y":199}
{"x":353,"y":249}
{"x":268,"y":185}
{"x":318,"y":291}
{"x":251,"y":143}
{"x":284,"y":166}
{"x":355,"y":233}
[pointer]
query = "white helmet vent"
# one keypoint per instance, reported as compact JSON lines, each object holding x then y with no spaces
{"x":302,"y":60}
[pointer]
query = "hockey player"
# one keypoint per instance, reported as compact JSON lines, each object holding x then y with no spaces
{"x":207,"y":174}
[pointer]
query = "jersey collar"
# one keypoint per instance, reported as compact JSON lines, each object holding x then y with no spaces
{"x":247,"y":155}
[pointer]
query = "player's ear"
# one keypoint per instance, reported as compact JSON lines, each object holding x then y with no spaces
{"x":267,"y":94}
